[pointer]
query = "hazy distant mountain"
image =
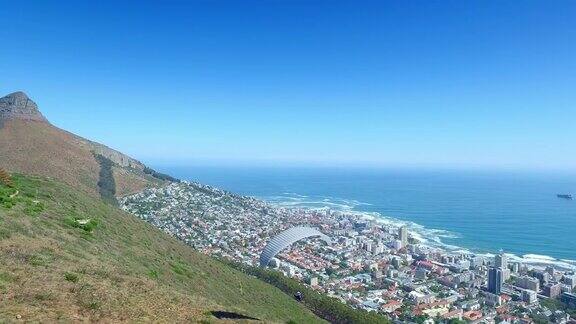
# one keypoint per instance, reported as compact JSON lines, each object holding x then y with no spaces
{"x":30,"y":144}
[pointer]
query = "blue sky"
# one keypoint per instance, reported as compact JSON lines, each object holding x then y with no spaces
{"x":456,"y":84}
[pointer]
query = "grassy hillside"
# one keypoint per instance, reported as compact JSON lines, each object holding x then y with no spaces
{"x":32,"y":147}
{"x":69,"y":256}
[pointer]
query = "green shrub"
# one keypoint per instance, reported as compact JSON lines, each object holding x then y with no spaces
{"x":153,"y":274}
{"x":94,"y":305}
{"x":72,"y":277}
{"x":39,"y":260}
{"x":6,"y":277}
{"x":159,"y":175}
{"x":33,"y":207}
{"x":8,"y":204}
{"x":180,"y":268}
{"x":88,"y":225}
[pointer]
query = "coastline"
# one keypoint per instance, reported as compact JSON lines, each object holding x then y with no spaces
{"x":477,"y":211}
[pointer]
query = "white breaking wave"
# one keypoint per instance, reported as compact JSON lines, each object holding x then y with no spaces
{"x":293,"y":194}
{"x":538,"y":257}
{"x":302,"y":201}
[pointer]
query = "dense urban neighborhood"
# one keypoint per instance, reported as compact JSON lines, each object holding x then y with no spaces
{"x":369,"y":265}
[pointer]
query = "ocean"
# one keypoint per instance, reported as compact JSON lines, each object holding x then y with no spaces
{"x":477,"y":211}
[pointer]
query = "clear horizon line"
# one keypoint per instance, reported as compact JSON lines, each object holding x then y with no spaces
{"x":284,"y":163}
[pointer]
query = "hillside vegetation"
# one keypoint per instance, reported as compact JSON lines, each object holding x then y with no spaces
{"x":39,"y":148}
{"x":68,"y":256}
{"x":322,"y":305}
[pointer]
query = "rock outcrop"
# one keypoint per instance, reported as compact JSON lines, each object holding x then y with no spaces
{"x":17,"y":105}
{"x":121,"y":159}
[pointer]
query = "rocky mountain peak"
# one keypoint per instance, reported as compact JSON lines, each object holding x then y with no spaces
{"x":18,"y":105}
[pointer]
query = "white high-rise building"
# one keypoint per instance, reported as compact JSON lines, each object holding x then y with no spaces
{"x":529,"y":296}
{"x":570,"y":281}
{"x":403,"y":235}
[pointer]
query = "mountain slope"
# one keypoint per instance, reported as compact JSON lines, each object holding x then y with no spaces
{"x":66,"y":255}
{"x":30,"y":144}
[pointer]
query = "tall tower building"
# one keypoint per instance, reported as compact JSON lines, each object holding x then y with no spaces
{"x":403,"y":235}
{"x":495,"y":280}
{"x":501,"y":261}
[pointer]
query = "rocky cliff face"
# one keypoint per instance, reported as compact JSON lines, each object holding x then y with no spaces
{"x":17,"y":105}
{"x":119,"y":158}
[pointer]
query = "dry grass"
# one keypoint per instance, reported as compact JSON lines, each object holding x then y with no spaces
{"x":5,"y":178}
{"x":38,"y":148}
{"x":120,"y":269}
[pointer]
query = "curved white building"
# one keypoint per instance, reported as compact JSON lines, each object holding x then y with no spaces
{"x":288,"y":237}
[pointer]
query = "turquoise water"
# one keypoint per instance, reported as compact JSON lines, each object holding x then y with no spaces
{"x":482,"y":212}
